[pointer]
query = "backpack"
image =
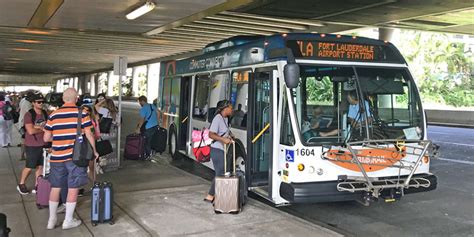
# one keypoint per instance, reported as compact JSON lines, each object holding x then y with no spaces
{"x":33,"y":115}
{"x":7,"y":111}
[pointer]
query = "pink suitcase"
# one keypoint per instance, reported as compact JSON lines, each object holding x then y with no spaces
{"x":44,"y":187}
{"x":229,"y":189}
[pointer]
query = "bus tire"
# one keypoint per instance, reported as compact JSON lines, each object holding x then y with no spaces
{"x":241,"y":156}
{"x":173,"y":143}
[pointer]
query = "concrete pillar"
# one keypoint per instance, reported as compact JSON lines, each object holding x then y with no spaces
{"x":152,"y":77}
{"x":385,"y":101}
{"x":385,"y":34}
{"x":96,"y":84}
{"x":109,"y":84}
{"x":135,"y":82}
{"x":92,"y":89}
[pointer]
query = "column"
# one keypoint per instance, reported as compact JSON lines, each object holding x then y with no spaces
{"x":135,"y":82}
{"x":385,"y":101}
{"x":110,"y":84}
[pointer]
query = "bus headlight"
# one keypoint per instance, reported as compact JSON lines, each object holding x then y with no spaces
{"x":426,"y":159}
{"x":319,"y":171}
{"x":300,"y":167}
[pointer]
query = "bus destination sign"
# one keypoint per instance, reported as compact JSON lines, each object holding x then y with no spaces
{"x":334,"y":50}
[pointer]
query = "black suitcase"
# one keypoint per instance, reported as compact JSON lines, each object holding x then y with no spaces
{"x":159,"y":140}
{"x":4,"y":230}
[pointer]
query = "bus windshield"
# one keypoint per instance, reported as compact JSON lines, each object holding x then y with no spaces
{"x":337,"y":104}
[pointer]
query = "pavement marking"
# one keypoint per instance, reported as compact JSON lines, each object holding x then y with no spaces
{"x":445,"y":133}
{"x":457,"y":161}
{"x":454,"y":143}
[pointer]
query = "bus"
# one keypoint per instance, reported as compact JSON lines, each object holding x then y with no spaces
{"x":317,"y":117}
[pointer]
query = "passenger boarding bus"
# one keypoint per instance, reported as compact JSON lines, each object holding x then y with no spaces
{"x":317,"y":117}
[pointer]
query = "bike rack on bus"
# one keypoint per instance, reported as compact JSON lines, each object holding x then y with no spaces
{"x":375,"y":185}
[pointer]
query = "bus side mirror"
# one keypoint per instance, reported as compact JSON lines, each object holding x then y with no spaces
{"x":291,"y":71}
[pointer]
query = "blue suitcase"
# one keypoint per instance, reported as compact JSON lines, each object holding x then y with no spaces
{"x":102,"y":203}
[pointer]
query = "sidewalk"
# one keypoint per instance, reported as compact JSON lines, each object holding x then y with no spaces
{"x":151,"y":199}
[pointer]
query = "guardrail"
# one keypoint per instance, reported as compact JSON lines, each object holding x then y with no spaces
{"x":457,"y":118}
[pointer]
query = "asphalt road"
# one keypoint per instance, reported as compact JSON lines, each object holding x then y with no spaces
{"x":446,"y":211}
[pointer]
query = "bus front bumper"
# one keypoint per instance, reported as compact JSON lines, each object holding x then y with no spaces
{"x":327,"y":191}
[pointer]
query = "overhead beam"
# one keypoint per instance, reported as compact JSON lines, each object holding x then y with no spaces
{"x":46,"y":9}
{"x":228,"y":5}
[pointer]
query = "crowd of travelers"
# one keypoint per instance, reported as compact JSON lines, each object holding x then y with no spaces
{"x":48,"y":134}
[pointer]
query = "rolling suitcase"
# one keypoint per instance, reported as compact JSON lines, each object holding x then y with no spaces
{"x":44,"y":187}
{"x":134,"y":147}
{"x":102,"y":203}
{"x":159,"y":140}
{"x":228,"y":193}
{"x":4,"y":230}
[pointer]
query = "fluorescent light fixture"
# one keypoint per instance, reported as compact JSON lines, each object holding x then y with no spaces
{"x":145,"y":8}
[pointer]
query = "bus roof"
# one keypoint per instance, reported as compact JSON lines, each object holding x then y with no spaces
{"x":247,"y":50}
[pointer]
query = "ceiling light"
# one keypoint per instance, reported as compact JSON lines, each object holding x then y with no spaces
{"x":37,"y":32}
{"x":21,"y":49}
{"x":29,"y":41}
{"x":145,"y":8}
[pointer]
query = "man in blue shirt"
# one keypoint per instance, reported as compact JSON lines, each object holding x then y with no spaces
{"x":355,"y":114}
{"x":149,"y":121}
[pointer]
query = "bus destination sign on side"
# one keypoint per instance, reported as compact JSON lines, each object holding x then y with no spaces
{"x":334,"y":50}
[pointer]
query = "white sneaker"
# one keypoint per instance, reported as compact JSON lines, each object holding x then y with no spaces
{"x":71,"y":224}
{"x":52,"y":224}
{"x":61,"y":209}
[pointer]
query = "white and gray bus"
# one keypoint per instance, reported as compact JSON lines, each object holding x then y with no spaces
{"x":318,"y":118}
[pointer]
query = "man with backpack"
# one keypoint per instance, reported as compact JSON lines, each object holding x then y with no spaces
{"x":24,"y":106}
{"x":35,"y":120}
{"x":148,"y":123}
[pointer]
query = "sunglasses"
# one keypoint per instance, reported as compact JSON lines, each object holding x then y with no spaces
{"x":39,"y":102}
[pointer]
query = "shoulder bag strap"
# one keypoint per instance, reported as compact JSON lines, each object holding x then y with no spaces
{"x":79,"y":122}
{"x":151,"y":112}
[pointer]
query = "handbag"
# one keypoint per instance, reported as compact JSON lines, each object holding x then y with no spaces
{"x":105,"y":124}
{"x":203,"y":151}
{"x":104,"y":147}
{"x":82,"y":151}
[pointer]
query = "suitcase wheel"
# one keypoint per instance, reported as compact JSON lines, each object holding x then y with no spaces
{"x":111,"y":222}
{"x":217,"y":212}
{"x":94,"y":224}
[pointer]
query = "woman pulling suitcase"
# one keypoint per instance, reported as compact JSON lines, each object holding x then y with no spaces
{"x":220,"y":133}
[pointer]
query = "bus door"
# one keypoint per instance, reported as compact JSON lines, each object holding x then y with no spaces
{"x":184,"y":106}
{"x":259,"y":128}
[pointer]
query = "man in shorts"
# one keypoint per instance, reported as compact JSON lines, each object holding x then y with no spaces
{"x":34,"y":123}
{"x":61,"y":129}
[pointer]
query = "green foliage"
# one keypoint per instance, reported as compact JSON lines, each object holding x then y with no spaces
{"x":444,"y":71}
{"x":319,"y":92}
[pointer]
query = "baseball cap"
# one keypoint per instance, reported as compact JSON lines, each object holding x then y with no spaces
{"x":221,"y":105}
{"x":37,"y":96}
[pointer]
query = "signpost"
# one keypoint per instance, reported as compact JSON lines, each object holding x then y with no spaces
{"x":120,"y":69}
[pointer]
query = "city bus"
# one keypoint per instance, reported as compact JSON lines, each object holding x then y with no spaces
{"x":317,"y":117}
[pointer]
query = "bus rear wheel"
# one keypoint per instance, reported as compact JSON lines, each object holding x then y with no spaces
{"x":173,"y":144}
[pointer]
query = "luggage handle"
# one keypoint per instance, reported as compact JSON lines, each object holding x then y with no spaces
{"x":233,"y":158}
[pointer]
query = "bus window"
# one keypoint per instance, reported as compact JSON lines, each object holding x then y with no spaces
{"x":239,"y":98}
{"x":393,"y":100}
{"x":201,"y":96}
{"x":287,"y":136}
{"x":321,"y":107}
{"x":219,"y":84}
{"x":166,"y":101}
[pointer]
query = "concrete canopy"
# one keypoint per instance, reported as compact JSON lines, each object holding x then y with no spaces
{"x":49,"y":39}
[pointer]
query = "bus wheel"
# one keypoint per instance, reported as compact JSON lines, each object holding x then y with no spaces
{"x":239,"y":161}
{"x":173,"y":144}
